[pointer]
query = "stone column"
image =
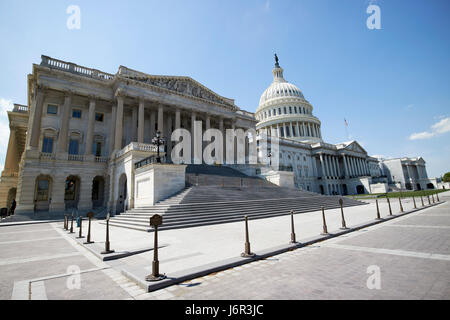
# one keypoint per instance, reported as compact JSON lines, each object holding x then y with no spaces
{"x":141,"y":121}
{"x":322,"y":165}
{"x":169,"y":135}
{"x":119,"y":124}
{"x":338,"y":167}
{"x":112,"y":129}
{"x":222,"y":130}
{"x":90,"y":128}
{"x":346,"y":173}
{"x":35,"y":130}
{"x":193,"y":118}
{"x":85,"y":201}
{"x":64,"y":128}
{"x":335,"y":167}
{"x":298,"y":129}
{"x":134,"y":123}
{"x":57,"y":193}
{"x":12,"y":156}
{"x":177,"y":119}
{"x":161,"y":119}
{"x":152,"y":124}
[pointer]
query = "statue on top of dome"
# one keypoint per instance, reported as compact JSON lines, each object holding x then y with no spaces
{"x":276,"y":61}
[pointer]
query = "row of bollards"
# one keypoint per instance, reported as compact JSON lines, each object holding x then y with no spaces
{"x":247,"y":252}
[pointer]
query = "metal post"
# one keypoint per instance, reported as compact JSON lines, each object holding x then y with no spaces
{"x":421,"y":199}
{"x":437,"y":197}
{"x":428,"y":197}
{"x":432,"y":196}
{"x":247,"y":252}
{"x":155,"y":221}
{"x":414,"y":200}
{"x":325,"y":230}
{"x":80,"y":234}
{"x":293,"y":240}
{"x":400,"y":202}
{"x":344,"y":227}
{"x":71,"y":224}
{"x":389,"y":204}
{"x":378,"y":210}
{"x":65,"y":222}
{"x":107,"y":244}
{"x":88,"y":239}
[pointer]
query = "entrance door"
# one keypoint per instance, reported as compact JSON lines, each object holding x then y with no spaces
{"x":42,"y":198}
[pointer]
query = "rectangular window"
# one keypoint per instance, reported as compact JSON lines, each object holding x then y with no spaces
{"x":288,"y":133}
{"x":279,"y":111}
{"x":73,"y":146}
{"x":285,"y":110}
{"x":76,"y":113}
{"x":295,"y":109}
{"x":281,"y":132}
{"x":97,"y":148}
{"x":47,"y":145}
{"x":290,"y":109}
{"x":52,"y":109}
{"x":99,"y":117}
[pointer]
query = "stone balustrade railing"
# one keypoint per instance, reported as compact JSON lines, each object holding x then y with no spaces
{"x":47,"y":156}
{"x":74,"y":68}
{"x":20,"y":108}
{"x":137,"y":146}
{"x":101,"y":159}
{"x":75,"y":157}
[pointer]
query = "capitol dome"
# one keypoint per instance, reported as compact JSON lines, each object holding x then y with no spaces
{"x":284,"y":112}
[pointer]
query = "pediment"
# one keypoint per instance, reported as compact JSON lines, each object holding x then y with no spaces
{"x":353,"y":146}
{"x":181,"y":85}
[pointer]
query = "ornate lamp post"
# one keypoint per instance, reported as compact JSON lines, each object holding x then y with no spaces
{"x":158,"y":141}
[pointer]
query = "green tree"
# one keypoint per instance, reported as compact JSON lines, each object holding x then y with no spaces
{"x":446,"y":177}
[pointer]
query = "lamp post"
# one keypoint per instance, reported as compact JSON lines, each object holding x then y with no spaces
{"x":158,"y":141}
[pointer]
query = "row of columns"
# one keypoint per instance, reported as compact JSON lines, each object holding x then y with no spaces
{"x":296,"y":129}
{"x":353,"y":166}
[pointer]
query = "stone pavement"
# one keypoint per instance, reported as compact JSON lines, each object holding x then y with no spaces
{"x":411,"y":252}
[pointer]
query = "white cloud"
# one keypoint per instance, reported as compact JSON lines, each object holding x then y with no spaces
{"x":441,"y":127}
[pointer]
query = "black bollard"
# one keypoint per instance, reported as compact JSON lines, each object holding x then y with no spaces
{"x":80,"y":234}
{"x":432,"y":196}
{"x":88,"y":239}
{"x":325,"y":229}
{"x":428,"y":197}
{"x":155,"y":221}
{"x":65,"y":222}
{"x":293,"y":240}
{"x":389,"y":204}
{"x":107,"y":244}
{"x":400,"y":202}
{"x":247,"y":253}
{"x":71,"y":224}
{"x":421,"y":199}
{"x":414,"y":200}
{"x":437,"y":197}
{"x":378,"y":210}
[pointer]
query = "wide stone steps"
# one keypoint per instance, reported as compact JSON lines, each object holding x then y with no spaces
{"x":201,"y":216}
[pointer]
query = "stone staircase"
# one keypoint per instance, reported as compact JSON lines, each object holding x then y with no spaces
{"x":212,"y":203}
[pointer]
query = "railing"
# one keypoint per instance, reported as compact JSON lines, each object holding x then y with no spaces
{"x":137,"y":146}
{"x":74,"y":68}
{"x":148,"y":160}
{"x":101,"y":159}
{"x":47,"y":156}
{"x":20,"y":108}
{"x":75,"y":157}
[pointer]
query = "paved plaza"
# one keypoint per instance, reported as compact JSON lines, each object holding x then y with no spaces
{"x":403,"y":258}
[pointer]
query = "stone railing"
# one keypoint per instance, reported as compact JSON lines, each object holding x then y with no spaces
{"x":101,"y":159}
{"x":75,"y":157}
{"x":137,"y":146}
{"x":20,"y":108}
{"x":47,"y":156}
{"x":74,"y":68}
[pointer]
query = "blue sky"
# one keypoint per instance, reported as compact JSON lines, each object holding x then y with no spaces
{"x":392,"y":84}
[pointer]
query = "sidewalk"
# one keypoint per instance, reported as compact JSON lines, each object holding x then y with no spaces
{"x":196,"y":248}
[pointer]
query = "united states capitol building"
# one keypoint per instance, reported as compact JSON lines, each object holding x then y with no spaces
{"x":85,"y":140}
